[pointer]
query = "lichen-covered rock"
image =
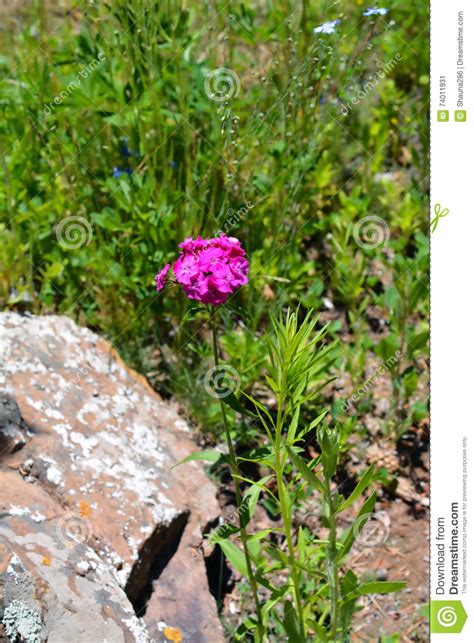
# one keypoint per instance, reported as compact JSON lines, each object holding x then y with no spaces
{"x":90,"y":506}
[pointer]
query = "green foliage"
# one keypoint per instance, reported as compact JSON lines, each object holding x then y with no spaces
{"x":130,"y":78}
{"x":310,"y":587}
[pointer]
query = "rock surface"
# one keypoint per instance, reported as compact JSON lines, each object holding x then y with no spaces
{"x":99,"y":535}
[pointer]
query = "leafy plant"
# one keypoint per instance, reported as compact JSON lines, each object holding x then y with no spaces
{"x":309,"y":599}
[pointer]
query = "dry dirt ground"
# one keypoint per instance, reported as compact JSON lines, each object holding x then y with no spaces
{"x":403,"y":556}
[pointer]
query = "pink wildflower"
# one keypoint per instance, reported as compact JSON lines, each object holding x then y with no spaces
{"x":209,"y":270}
{"x":161,"y":277}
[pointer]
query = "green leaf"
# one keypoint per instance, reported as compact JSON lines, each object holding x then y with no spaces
{"x":293,"y":426}
{"x":245,"y":513}
{"x":420,"y":340}
{"x":189,"y":315}
{"x":358,"y":524}
{"x":247,"y":626}
{"x":310,"y":570}
{"x":380,"y":587}
{"x":271,"y":602}
{"x":301,"y":542}
{"x":262,"y":455}
{"x":314,"y":424}
{"x":349,"y":583}
{"x":290,"y":623}
{"x":231,"y":401}
{"x":235,"y":556}
{"x":260,"y":535}
{"x":222,"y":533}
{"x":329,"y":443}
{"x":410,"y":381}
{"x":307,"y":474}
{"x":252,"y":494}
{"x":208,"y":456}
{"x":319,"y":630}
{"x":360,"y":488}
{"x":376,"y":587}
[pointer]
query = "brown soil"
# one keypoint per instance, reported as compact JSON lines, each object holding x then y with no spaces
{"x":403,"y":556}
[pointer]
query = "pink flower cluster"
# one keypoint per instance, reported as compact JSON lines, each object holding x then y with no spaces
{"x":209,"y":270}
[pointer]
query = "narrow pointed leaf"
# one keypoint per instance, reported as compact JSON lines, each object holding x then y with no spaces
{"x":376,"y":587}
{"x":313,"y":424}
{"x":360,"y":488}
{"x":293,"y":426}
{"x":381,"y":587}
{"x":290,"y":623}
{"x":302,"y":467}
{"x":208,"y":456}
{"x":235,"y":556}
{"x":358,"y":524}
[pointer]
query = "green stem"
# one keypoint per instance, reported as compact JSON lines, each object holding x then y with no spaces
{"x":238,"y":495}
{"x":279,"y":470}
{"x":333,"y":569}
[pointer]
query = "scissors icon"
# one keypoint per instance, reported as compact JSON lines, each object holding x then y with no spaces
{"x":439,"y":215}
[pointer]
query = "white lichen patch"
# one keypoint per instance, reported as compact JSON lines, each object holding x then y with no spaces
{"x":53,"y":413}
{"x":138,"y":629}
{"x":15,"y":567}
{"x":22,"y":622}
{"x":93,"y":408}
{"x":83,"y":565}
{"x":53,"y":474}
{"x":181,"y":425}
{"x":63,"y":431}
{"x":87,"y":444}
{"x":36,"y":516}
{"x":38,"y":405}
{"x":146,"y":530}
{"x":14,"y":510}
{"x":123,"y":574}
{"x":164,"y":515}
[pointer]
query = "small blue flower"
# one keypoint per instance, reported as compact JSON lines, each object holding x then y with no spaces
{"x":376,"y":11}
{"x":327,"y":27}
{"x":125,"y":151}
{"x":118,"y":172}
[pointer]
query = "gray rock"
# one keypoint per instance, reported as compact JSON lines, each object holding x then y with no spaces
{"x":95,"y":514}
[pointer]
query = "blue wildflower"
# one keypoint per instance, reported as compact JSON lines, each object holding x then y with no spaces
{"x":125,"y":151}
{"x":118,"y":172}
{"x":327,"y":27}
{"x":376,"y":11}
